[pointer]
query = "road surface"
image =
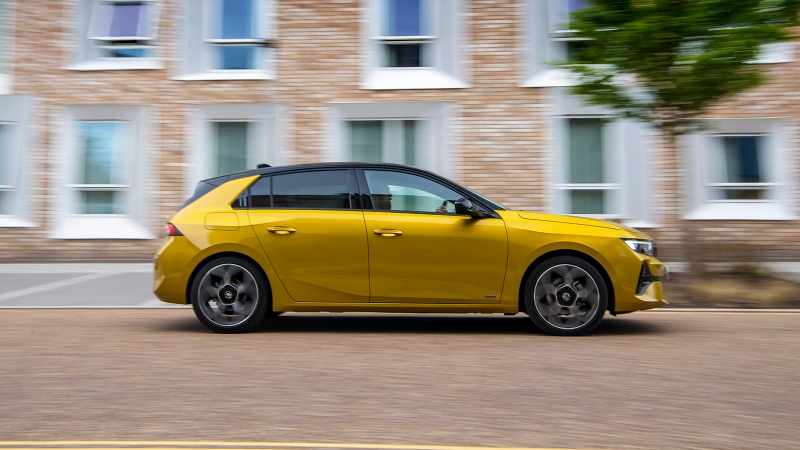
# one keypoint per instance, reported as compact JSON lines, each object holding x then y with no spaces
{"x":660,"y":380}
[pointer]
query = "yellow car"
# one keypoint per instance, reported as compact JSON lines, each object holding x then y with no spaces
{"x":392,"y":238}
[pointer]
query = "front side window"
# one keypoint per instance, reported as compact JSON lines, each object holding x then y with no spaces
{"x":588,"y":186}
{"x":124,"y":28}
{"x":394,"y":141}
{"x":397,"y":191}
{"x":101,"y":180}
{"x":328,"y":189}
{"x":737,"y":168}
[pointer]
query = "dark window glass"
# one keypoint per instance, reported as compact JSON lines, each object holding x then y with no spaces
{"x":259,"y":193}
{"x":324,"y":189}
{"x":405,"y":55}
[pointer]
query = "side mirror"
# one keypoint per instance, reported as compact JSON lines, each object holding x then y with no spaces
{"x":467,"y":207}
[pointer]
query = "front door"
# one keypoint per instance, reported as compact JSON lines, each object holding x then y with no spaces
{"x":420,"y":251}
{"x":315,"y":242}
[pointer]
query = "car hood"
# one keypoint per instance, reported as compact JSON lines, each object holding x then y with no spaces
{"x":580,"y":221}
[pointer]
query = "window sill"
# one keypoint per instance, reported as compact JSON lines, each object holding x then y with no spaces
{"x":551,"y":78}
{"x":126,"y":64}
{"x":5,"y":84}
{"x":411,"y":78}
{"x":15,"y":222}
{"x":776,"y":53}
{"x":741,"y":211}
{"x":639,"y":224}
{"x":101,"y":227}
{"x":227,"y":75}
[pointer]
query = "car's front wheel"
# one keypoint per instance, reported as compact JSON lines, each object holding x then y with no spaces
{"x":229,"y":295}
{"x":566,"y":296}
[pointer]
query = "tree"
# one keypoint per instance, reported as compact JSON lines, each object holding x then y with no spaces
{"x":678,"y":56}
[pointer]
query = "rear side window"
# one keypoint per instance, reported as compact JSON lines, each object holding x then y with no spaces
{"x":260,"y":192}
{"x":326,"y":189}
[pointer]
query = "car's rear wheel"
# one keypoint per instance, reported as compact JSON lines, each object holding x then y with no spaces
{"x":566,"y":296}
{"x":229,"y":295}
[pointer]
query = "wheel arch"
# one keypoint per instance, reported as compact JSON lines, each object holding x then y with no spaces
{"x":220,"y":255}
{"x":567,"y":252}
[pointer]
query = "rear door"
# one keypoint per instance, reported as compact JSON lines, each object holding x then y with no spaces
{"x":312,"y":230}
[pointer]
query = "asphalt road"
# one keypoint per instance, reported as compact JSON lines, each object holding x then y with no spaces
{"x":661,"y":380}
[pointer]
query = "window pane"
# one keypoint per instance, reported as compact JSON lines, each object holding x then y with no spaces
{"x":323,"y":189}
{"x":125,"y":19}
{"x":410,"y":141}
{"x":237,"y":19}
{"x":404,"y":18}
{"x":587,"y":202}
{"x":585,"y":151}
{"x":259,"y":193}
{"x":366,"y":141}
{"x":6,"y":156}
{"x":741,"y":159}
{"x":395,"y":191}
{"x":404,"y":55}
{"x":230,"y":151}
{"x":237,"y":57}
{"x":574,"y":48}
{"x":103,"y":151}
{"x":5,"y":202}
{"x":127,"y":52}
{"x":100,"y":202}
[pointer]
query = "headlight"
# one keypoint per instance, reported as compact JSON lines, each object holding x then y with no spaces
{"x":641,"y":246}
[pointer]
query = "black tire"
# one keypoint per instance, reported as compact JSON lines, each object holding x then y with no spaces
{"x":256,"y":308}
{"x":563,"y":324}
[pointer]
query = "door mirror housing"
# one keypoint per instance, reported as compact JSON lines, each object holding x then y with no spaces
{"x":466,"y":207}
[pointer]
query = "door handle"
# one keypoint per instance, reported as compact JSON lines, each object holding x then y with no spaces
{"x":281,"y":230}
{"x":387,"y":232}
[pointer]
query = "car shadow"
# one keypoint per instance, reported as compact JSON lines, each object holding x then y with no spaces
{"x":417,"y":323}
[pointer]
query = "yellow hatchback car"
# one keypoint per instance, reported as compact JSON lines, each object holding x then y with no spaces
{"x":392,"y":238}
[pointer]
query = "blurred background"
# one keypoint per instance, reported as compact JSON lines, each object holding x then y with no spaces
{"x":112,"y":110}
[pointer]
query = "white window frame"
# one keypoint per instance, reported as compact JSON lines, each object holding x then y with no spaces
{"x":7,"y":16}
{"x":265,"y":141}
{"x":71,"y":225}
{"x":626,"y":163}
{"x":433,"y":144}
{"x":199,"y":43}
{"x":448,"y":61}
{"x":89,"y":54}
{"x":702,"y":206}
{"x":16,"y":111}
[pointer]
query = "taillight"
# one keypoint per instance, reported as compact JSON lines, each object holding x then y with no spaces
{"x":172,"y":230}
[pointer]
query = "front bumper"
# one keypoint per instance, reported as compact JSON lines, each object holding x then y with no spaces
{"x":641,"y":296}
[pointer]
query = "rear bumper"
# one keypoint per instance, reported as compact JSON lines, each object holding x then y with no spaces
{"x":170,"y":273}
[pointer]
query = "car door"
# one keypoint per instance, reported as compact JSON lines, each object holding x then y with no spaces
{"x":312,"y":235}
{"x":421,"y":251}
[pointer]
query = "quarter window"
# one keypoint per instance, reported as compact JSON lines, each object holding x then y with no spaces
{"x":312,"y":190}
{"x":397,"y":191}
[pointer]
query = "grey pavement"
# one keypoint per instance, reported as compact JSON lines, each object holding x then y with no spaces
{"x":68,"y":285}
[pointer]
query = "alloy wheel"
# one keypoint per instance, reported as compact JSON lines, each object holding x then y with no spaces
{"x":566,"y":297}
{"x":228,"y":295}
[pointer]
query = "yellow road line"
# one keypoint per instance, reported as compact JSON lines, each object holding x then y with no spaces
{"x":205,"y":445}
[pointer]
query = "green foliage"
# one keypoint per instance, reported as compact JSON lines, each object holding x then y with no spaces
{"x":684,"y":55}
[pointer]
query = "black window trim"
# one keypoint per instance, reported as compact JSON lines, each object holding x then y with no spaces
{"x":364,"y":187}
{"x":352,"y":183}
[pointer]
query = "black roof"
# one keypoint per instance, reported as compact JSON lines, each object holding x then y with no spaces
{"x":216,"y":181}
